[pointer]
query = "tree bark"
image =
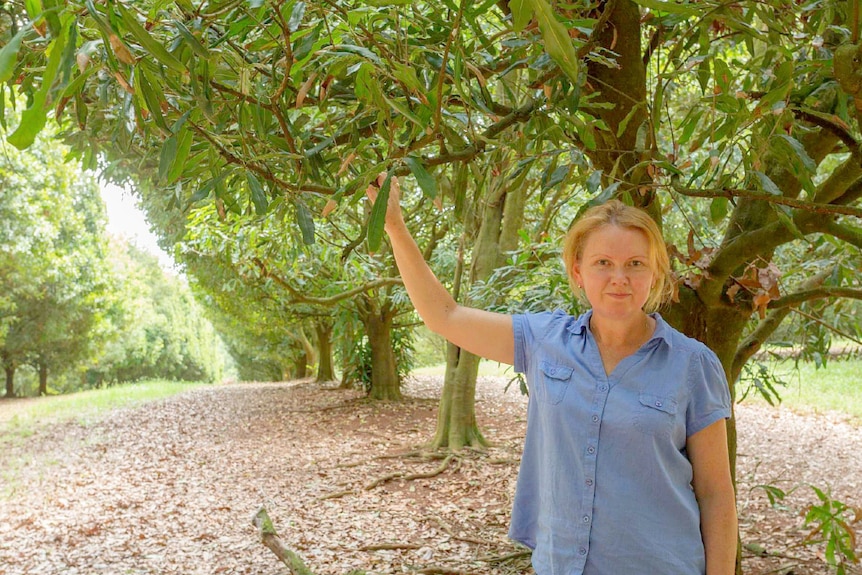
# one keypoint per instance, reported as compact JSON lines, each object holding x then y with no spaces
{"x":10,"y":380}
{"x":43,"y":379}
{"x":300,"y":366}
{"x":384,"y":377}
{"x":325,"y":371}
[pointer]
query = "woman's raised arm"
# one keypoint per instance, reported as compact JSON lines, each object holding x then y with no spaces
{"x":486,"y":334}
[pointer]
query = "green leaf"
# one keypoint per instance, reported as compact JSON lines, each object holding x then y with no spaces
{"x":33,"y":119}
{"x":718,"y":209}
{"x":522,"y":13}
{"x":9,"y":54}
{"x":296,"y":17}
{"x":179,"y":161}
{"x":671,"y":7}
{"x":425,"y":180}
{"x":192,"y":40}
{"x":258,"y":195}
{"x":358,"y":50}
{"x":800,"y":152}
{"x":622,"y":127}
{"x":557,"y":176}
{"x":149,"y":44}
{"x":144,"y":87}
{"x":378,"y":215}
{"x":306,"y":223}
{"x":405,"y":111}
{"x":594,"y":181}
{"x":384,"y":3}
{"x":767,"y":184}
{"x":558,"y":45}
{"x":34,"y":8}
{"x":166,"y":158}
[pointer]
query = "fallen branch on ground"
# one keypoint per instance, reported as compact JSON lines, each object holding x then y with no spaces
{"x":269,"y":537}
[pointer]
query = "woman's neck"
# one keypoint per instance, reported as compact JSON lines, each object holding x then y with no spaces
{"x":622,"y":334}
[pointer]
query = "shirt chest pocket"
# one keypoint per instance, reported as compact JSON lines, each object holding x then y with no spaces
{"x":555,"y":379}
{"x":655,"y":414}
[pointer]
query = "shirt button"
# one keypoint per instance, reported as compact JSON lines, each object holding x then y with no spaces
{"x":604,"y":388}
{"x":591,"y":450}
{"x":595,"y":418}
{"x":582,"y":551}
{"x":589,"y":482}
{"x":586,"y":518}
{"x":658,"y":404}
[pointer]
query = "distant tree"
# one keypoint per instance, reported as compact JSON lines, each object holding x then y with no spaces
{"x":53,"y":254}
{"x":158,"y":330}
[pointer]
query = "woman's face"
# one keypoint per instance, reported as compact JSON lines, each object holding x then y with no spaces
{"x":615,"y":271}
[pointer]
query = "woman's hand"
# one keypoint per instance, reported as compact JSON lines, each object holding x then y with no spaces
{"x":394,"y":215}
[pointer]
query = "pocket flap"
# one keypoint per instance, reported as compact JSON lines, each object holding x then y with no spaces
{"x":555,"y":371}
{"x":665,"y":404}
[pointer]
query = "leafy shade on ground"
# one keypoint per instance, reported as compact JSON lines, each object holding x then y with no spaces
{"x":171,"y":486}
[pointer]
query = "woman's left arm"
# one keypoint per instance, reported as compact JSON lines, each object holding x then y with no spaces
{"x":713,"y":487}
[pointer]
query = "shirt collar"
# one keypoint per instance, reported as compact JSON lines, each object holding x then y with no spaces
{"x":662,"y":329}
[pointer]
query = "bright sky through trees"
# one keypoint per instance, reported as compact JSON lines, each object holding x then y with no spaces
{"x":126,"y":220}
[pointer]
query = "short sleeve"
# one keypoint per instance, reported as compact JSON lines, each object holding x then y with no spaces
{"x":523,"y":334}
{"x":710,"y":394}
{"x":530,"y":329}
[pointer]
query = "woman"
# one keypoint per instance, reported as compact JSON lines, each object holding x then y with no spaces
{"x":625,"y":466}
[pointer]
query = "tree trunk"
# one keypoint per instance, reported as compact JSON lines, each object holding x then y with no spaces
{"x":300,"y":366}
{"x":456,"y":414}
{"x":324,"y":349}
{"x":43,"y":379}
{"x":501,"y":218}
{"x":10,"y":380}
{"x":384,"y":376}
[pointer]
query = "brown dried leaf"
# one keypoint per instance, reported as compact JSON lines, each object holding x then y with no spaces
{"x":120,"y":50}
{"x":328,"y":208}
{"x":303,"y":90}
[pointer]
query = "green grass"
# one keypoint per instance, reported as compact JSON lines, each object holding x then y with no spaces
{"x":837,"y":387}
{"x":486,"y":368}
{"x":85,"y":407}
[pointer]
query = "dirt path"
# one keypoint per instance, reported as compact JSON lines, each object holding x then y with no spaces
{"x":170,"y":487}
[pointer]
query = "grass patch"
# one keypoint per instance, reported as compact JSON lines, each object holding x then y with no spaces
{"x":86,"y":407}
{"x":834,"y":388}
{"x":486,"y":368}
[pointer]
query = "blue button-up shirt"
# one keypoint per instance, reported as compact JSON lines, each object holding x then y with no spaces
{"x":605,"y":483}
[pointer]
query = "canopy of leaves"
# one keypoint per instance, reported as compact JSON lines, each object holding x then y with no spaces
{"x":736,"y":125}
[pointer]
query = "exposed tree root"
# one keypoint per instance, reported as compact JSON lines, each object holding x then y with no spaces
{"x":336,"y":495}
{"x":389,"y":546}
{"x":445,"y":527}
{"x":508,"y":557}
{"x":406,"y":477}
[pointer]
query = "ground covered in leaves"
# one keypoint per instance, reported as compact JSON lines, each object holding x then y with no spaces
{"x":171,"y":487}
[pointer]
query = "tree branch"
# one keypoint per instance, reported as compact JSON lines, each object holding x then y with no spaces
{"x":849,"y":234}
{"x":269,"y":537}
{"x":797,"y":298}
{"x":299,"y":297}
{"x":833,"y":124}
{"x":519,"y":115}
{"x":814,"y":207}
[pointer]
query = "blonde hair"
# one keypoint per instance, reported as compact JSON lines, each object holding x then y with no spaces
{"x":616,"y":213}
